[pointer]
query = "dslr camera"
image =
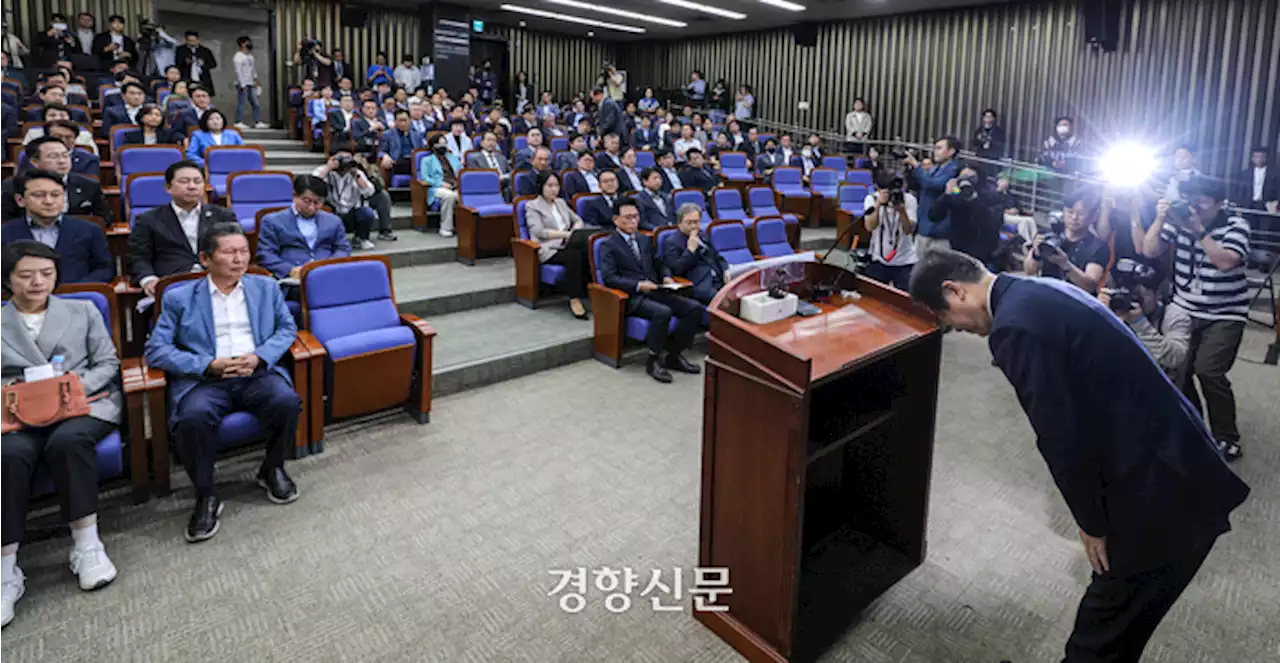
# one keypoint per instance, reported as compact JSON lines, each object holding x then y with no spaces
{"x":1052,"y":239}
{"x":1127,"y":275}
{"x":897,"y":193}
{"x":306,"y":47}
{"x":1179,"y":213}
{"x":345,"y":164}
{"x":968,"y":187}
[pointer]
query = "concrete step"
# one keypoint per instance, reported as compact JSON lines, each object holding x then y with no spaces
{"x":487,"y":345}
{"x":252,"y":135}
{"x":277,"y":144}
{"x":440,"y":289}
{"x":413,"y":248}
{"x":277,"y":158}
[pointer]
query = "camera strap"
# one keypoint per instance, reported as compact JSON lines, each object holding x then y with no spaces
{"x":887,"y":252}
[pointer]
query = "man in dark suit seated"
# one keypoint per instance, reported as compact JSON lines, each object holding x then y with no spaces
{"x":667,"y":169}
{"x":569,"y":160}
{"x":698,"y":175}
{"x":83,"y":162}
{"x":83,"y":194}
{"x":583,"y":179}
{"x":647,"y":137}
{"x":166,"y":240}
{"x":628,"y":175}
{"x":522,"y":157}
{"x":220,"y":340}
{"x":368,"y":122}
{"x":398,"y":144}
{"x":134,"y":96}
{"x":693,"y":256}
{"x":540,"y":163}
{"x":54,"y":95}
{"x":654,"y":203}
{"x":611,"y":159}
{"x":82,"y":245}
{"x":1133,"y":459}
{"x":340,"y":120}
{"x":628,"y":263}
{"x":304,"y":233}
{"x":598,"y":210}
{"x":190,"y":116}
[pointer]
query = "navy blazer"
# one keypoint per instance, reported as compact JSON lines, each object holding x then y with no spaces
{"x":113,"y":115}
{"x":575,"y":183}
{"x":77,"y":115}
{"x":699,"y":178}
{"x":651,"y":139}
{"x":360,"y":126}
{"x":1132,"y":457}
{"x":619,"y":268}
{"x":83,"y":256}
{"x":650,"y":216}
{"x":187,"y":118}
{"x":281,"y":246}
{"x":85,"y":163}
{"x":704,"y":267}
{"x":598,"y":213}
{"x":393,"y":147}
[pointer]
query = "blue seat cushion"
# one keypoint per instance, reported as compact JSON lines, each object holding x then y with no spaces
{"x":743,"y":176}
{"x":494,"y":210}
{"x":638,"y":327}
{"x":552,"y":274}
{"x":368,"y":341}
{"x":794,"y":192}
{"x":400,"y":180}
{"x":219,"y":184}
{"x":239,"y":428}
{"x":110,"y":454}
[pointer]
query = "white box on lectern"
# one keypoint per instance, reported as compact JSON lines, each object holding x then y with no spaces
{"x":762,"y":308}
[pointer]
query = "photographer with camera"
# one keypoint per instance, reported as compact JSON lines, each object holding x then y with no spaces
{"x":973,"y":209}
{"x":311,"y":59}
{"x":1070,"y":251}
{"x":55,"y":44}
{"x":157,"y":50}
{"x":1165,"y":329}
{"x":349,"y":189}
{"x":891,"y":217}
{"x":933,"y":183}
{"x":1209,"y":281}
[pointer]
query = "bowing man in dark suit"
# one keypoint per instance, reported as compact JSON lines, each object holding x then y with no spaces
{"x":691,"y":255}
{"x":598,"y":210}
{"x":1133,"y":459}
{"x":166,"y":240}
{"x":654,"y":203}
{"x":81,"y":245}
{"x":627,"y":263}
{"x":698,"y":174}
{"x":220,"y":340}
{"x":83,"y":194}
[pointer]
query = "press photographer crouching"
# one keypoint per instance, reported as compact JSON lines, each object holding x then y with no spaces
{"x":890,"y":216}
{"x":976,"y":213}
{"x":1165,"y":329}
{"x":1070,"y":251}
{"x":349,"y":189}
{"x":1209,"y":282}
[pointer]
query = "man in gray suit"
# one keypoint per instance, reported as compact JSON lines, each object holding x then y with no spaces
{"x":489,"y":157}
{"x":36,"y":328}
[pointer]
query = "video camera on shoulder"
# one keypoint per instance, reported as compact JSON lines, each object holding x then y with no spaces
{"x":1052,"y":239}
{"x":1126,"y":276}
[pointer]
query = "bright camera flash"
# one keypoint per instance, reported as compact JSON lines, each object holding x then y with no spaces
{"x":1128,"y":165}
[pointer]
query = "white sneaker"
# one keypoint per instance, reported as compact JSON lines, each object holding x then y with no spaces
{"x":446,"y":233}
{"x":366,"y":244}
{"x":10,"y":592}
{"x":262,"y":125}
{"x":240,"y":125}
{"x":93,"y":567}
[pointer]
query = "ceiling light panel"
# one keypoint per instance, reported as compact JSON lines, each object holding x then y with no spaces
{"x":604,"y":9}
{"x":784,"y":4}
{"x":573,"y":19}
{"x":697,"y":7}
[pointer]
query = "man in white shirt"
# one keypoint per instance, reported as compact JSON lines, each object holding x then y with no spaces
{"x":890,"y":215}
{"x":407,"y":75}
{"x":629,"y":177}
{"x":86,"y":30}
{"x":247,"y":85}
{"x":1259,"y":183}
{"x":670,"y":178}
{"x":236,"y":370}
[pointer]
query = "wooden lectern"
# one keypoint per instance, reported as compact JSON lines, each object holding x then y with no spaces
{"x":817,"y":447}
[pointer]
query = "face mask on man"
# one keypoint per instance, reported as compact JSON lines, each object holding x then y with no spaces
{"x":807,"y":152}
{"x":770,"y":149}
{"x":1064,"y":130}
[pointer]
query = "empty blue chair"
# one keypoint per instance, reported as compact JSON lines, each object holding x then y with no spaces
{"x":483,"y":218}
{"x":249,"y":192}
{"x":771,"y":237}
{"x":9,"y":97}
{"x":788,"y":184}
{"x":837,"y":163}
{"x":762,"y":138}
{"x":728,"y":204}
{"x":733,"y":166}
{"x":862,"y":162}
{"x":681,"y":196}
{"x":377,"y":357}
{"x":222,"y":160}
{"x":853,"y":198}
{"x":730,"y":239}
{"x":824,"y":182}
{"x":531,"y":274}
{"x":763,"y":204}
{"x":859,"y":176}
{"x":559,"y":143}
{"x":645,"y":160}
{"x":520,"y":142}
{"x":612,"y":324}
{"x":132,"y":159}
{"x":142,"y":192}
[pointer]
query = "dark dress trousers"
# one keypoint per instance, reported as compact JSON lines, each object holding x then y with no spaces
{"x":704,"y":267}
{"x":621,"y":269}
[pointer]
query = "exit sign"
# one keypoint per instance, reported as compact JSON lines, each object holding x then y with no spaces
{"x":477,"y":25}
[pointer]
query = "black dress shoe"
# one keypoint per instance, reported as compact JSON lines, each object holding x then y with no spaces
{"x":655,"y":370}
{"x":387,"y":236}
{"x":204,"y":520}
{"x":280,"y":488}
{"x":677,"y":362}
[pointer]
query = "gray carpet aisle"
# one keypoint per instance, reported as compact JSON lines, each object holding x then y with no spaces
{"x":434,"y":543}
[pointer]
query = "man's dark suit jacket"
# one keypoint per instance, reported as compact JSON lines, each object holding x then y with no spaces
{"x":103,"y":39}
{"x":77,"y":115}
{"x":83,"y":256}
{"x":1132,"y":457}
{"x":704,"y":267}
{"x":84,"y":163}
{"x":164,"y":136}
{"x":184,"y":57}
{"x":185,"y":119}
{"x":606,"y":161}
{"x":652,"y":139}
{"x":699,"y":178}
{"x":113,"y":115}
{"x":611,"y":119}
{"x":157,"y":245}
{"x":574,"y":184}
{"x":650,"y":216}
{"x":598,"y":212}
{"x":84,"y":198}
{"x":620,"y":269}
{"x":1270,"y":186}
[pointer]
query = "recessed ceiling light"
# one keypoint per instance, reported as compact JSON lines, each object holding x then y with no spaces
{"x":572,"y":19}
{"x":591,"y":33}
{"x":522,"y":24}
{"x":684,"y":4}
{"x":618,"y":12}
{"x":783,"y":4}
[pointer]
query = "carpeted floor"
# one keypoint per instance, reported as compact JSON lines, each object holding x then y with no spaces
{"x":434,"y":543}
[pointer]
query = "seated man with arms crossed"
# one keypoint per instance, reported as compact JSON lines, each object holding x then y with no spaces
{"x":304,"y":233}
{"x":627,"y":263}
{"x":693,"y":256}
{"x":220,"y":340}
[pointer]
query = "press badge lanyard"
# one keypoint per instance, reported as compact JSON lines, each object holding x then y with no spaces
{"x":897,"y":233}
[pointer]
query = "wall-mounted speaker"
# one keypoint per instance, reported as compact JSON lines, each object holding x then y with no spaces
{"x":1103,"y":20}
{"x":354,"y":16}
{"x":805,"y":34}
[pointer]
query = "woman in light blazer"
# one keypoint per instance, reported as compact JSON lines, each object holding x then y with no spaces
{"x":37,"y":328}
{"x":211,"y":133}
{"x":562,"y":237}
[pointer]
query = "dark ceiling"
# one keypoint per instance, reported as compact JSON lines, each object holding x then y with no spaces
{"x":759,"y":15}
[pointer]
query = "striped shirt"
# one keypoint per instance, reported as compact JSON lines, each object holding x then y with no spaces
{"x":1201,"y":288}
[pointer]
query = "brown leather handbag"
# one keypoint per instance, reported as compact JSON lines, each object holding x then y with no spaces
{"x":43,"y":402}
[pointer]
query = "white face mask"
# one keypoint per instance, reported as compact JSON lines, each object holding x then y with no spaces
{"x":60,"y":27}
{"x":1064,"y":131}
{"x":807,"y":152}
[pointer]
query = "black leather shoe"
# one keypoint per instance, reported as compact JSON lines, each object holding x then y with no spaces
{"x":204,"y":520}
{"x":280,"y":488}
{"x":655,"y":370}
{"x":677,"y":362}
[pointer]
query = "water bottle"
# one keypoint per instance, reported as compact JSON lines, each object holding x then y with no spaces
{"x":57,"y":362}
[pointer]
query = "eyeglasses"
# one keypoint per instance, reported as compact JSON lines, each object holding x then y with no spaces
{"x":44,"y":195}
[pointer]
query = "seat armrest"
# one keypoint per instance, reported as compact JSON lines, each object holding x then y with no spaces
{"x":421,"y":328}
{"x":607,"y":292}
{"x":525,"y":244}
{"x":139,"y":377}
{"x":312,"y":345}
{"x":681,"y":280}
